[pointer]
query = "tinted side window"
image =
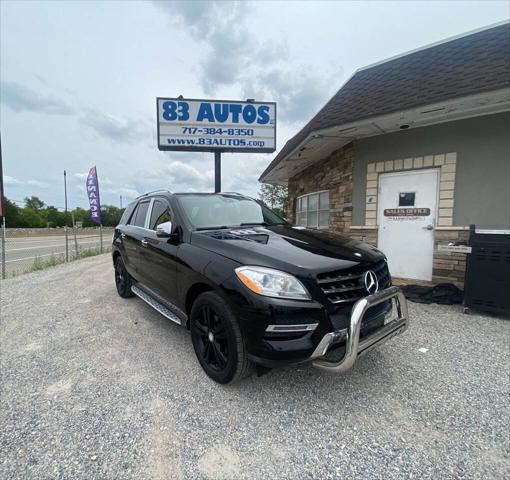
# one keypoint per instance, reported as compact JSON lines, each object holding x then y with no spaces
{"x":138,"y":218}
{"x":160,"y":214}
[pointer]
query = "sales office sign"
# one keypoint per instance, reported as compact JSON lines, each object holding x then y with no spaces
{"x":209,"y":125}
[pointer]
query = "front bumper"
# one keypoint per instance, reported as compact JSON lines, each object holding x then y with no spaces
{"x":355,"y":347}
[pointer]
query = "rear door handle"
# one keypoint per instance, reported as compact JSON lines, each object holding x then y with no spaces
{"x":144,"y":242}
{"x":428,"y":227}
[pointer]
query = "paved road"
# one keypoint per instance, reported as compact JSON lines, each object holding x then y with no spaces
{"x":98,"y":387}
{"x":21,"y":252}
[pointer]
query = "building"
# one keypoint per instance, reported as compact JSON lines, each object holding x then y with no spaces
{"x":408,"y":153}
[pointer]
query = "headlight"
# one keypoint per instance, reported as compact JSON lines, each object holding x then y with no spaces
{"x":272,"y":283}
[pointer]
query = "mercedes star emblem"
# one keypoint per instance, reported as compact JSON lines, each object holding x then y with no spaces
{"x":371,"y":282}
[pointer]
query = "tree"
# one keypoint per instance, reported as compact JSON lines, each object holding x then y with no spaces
{"x":11,"y":213}
{"x":29,"y":218}
{"x":83,"y":216}
{"x":110,"y":215}
{"x":276,"y":197}
{"x":34,"y":203}
{"x":53,"y":217}
{"x":37,"y":214}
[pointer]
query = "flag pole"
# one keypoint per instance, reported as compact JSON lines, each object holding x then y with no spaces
{"x":100,"y":216}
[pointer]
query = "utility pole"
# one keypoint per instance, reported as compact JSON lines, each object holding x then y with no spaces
{"x":65,"y":216}
{"x":121,"y":202}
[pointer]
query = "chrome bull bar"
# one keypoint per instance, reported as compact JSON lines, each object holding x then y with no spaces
{"x":353,"y":345}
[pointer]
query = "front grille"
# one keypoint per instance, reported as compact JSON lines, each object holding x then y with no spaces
{"x":348,"y":286}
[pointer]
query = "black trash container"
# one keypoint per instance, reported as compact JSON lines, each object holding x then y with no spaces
{"x":487,"y":281}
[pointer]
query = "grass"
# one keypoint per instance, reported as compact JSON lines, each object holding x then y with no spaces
{"x":40,"y":264}
{"x":58,"y":259}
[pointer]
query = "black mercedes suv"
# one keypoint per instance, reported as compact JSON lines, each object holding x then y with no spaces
{"x":253,"y":290}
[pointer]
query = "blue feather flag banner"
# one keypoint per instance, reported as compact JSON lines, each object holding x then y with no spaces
{"x":93,"y":194}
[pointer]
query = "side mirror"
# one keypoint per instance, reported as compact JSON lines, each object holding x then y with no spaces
{"x":164,"y":229}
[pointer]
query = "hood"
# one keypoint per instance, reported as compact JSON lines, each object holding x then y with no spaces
{"x":292,"y":249}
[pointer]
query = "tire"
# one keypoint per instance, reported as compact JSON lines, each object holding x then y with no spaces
{"x":217,"y":340}
{"x":123,"y":280}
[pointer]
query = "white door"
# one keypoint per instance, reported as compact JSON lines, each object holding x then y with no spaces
{"x":406,"y":214}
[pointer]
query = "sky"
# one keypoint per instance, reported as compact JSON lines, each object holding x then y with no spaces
{"x":79,"y":80}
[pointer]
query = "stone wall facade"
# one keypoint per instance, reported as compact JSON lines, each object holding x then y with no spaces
{"x":335,"y":174}
{"x":449,"y":267}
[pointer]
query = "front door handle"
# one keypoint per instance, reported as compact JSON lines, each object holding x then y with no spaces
{"x":144,"y":242}
{"x":428,"y":227}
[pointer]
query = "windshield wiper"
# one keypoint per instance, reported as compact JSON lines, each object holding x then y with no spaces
{"x":263,"y":224}
{"x":212,"y":228}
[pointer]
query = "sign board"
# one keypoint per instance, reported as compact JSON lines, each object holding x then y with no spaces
{"x":216,"y":125}
{"x":406,"y":212}
{"x":454,"y":248}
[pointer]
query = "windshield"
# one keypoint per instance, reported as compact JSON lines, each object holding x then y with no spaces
{"x":226,"y":211}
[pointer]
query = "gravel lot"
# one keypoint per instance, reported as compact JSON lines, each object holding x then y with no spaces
{"x":94,"y":386}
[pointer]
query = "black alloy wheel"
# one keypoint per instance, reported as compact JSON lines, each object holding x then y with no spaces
{"x":122,"y":279}
{"x":217,"y":339}
{"x":212,"y":338}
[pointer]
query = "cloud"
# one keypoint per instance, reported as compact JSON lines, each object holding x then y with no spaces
{"x":299,"y":96}
{"x":20,"y":98}
{"x":127,"y":191}
{"x":121,"y":129}
{"x":8,"y":180}
{"x":178,"y":176}
{"x":37,"y":183}
{"x":116,"y":128}
{"x":243,"y":176}
{"x":220,"y":25}
{"x":233,"y":54}
{"x":198,"y":15}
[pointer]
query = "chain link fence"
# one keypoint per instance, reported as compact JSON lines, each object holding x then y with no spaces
{"x":27,"y":250}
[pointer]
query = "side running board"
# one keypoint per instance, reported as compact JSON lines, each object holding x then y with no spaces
{"x":158,"y":305}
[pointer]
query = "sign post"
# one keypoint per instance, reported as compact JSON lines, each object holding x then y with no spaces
{"x":217,"y":126}
{"x":217,"y":171}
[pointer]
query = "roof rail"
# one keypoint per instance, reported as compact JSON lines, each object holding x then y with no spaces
{"x":154,"y":191}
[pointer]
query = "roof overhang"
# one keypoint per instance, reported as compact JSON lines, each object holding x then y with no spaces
{"x":319,"y":144}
